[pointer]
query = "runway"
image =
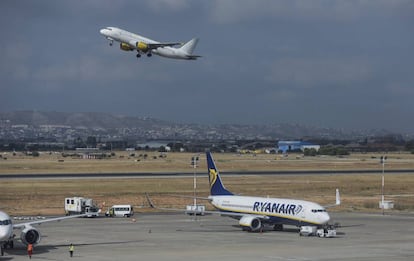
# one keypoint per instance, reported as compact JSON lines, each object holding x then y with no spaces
{"x":190,"y":174}
{"x":178,"y":237}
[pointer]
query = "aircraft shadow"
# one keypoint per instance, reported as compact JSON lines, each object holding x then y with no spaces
{"x":227,"y":229}
{"x":356,"y":225}
{"x":20,"y":249}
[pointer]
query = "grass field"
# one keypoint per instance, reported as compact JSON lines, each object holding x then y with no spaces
{"x":358,"y":192}
{"x":176,"y":162}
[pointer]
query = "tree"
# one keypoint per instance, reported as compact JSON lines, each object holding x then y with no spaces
{"x":310,"y":152}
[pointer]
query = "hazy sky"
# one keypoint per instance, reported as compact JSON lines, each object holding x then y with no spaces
{"x":343,"y":64}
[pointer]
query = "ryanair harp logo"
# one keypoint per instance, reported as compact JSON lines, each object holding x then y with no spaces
{"x":212,"y":176}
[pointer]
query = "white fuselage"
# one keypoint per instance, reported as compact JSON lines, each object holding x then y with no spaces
{"x":126,"y":37}
{"x":277,"y":210}
{"x":6,"y":227}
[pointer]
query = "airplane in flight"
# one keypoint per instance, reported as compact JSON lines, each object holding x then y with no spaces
{"x":130,"y":42}
{"x":28,"y":235}
{"x":254,"y":212}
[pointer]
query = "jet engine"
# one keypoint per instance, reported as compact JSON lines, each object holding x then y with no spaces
{"x":125,"y":47}
{"x":141,"y":46}
{"x":251,"y":223}
{"x":30,"y":235}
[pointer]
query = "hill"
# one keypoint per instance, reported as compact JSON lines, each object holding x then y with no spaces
{"x":148,"y":128}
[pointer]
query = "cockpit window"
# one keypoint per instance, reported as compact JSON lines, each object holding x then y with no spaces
{"x":318,"y":210}
{"x":5,"y":222}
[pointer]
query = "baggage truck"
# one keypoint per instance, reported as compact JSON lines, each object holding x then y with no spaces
{"x":80,"y":205}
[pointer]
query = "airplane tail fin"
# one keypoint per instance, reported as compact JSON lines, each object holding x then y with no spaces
{"x":216,"y":186}
{"x":189,"y":46}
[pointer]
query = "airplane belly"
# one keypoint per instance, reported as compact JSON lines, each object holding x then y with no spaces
{"x":168,"y":52}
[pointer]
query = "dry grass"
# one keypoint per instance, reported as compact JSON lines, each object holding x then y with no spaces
{"x":177,"y":162}
{"x":358,"y":192}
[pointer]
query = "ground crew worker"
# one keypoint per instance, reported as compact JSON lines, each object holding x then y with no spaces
{"x":71,"y":249}
{"x":30,"y":250}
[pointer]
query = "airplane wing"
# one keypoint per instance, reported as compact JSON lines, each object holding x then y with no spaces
{"x":23,"y":225}
{"x":156,"y":45}
{"x":183,"y":196}
{"x":234,"y":214}
{"x":150,"y":45}
{"x":221,"y":213}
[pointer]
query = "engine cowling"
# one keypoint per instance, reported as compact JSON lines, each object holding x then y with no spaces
{"x":251,"y":223}
{"x":125,"y":47}
{"x":30,"y":235}
{"x":141,"y":46}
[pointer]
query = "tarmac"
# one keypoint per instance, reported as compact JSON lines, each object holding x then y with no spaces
{"x":180,"y":237}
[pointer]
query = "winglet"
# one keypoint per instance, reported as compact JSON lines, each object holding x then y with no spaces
{"x":338,"y":198}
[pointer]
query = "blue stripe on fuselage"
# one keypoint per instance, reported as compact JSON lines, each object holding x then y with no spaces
{"x":271,"y":218}
{"x":269,"y":207}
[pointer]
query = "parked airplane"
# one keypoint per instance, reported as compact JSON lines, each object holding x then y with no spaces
{"x":254,"y":212}
{"x":29,"y":234}
{"x":130,"y":41}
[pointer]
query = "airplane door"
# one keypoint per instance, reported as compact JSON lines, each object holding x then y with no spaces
{"x":302,"y":213}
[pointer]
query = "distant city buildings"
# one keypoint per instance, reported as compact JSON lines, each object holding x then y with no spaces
{"x":31,"y":131}
{"x":285,"y":146}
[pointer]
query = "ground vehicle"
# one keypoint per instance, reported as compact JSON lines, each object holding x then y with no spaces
{"x":308,"y":230}
{"x":80,"y":205}
{"x":197,"y":210}
{"x":326,"y":231}
{"x":120,"y":211}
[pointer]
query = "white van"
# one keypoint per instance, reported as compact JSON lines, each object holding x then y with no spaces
{"x":120,"y":211}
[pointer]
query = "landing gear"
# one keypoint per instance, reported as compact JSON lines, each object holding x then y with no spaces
{"x":149,"y":54}
{"x":278,"y":227}
{"x":111,"y":43}
{"x":2,"y":250}
{"x":138,"y":55}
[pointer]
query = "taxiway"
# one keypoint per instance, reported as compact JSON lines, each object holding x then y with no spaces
{"x":178,"y":237}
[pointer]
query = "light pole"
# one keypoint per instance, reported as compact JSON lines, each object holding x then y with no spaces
{"x":194,"y":163}
{"x":383,"y":158}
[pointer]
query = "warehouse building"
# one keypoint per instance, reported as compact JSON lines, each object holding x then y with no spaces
{"x":291,"y":145}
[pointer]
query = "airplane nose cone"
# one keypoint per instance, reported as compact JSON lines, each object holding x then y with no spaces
{"x":325,"y":218}
{"x":4,"y":234}
{"x":102,"y":31}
